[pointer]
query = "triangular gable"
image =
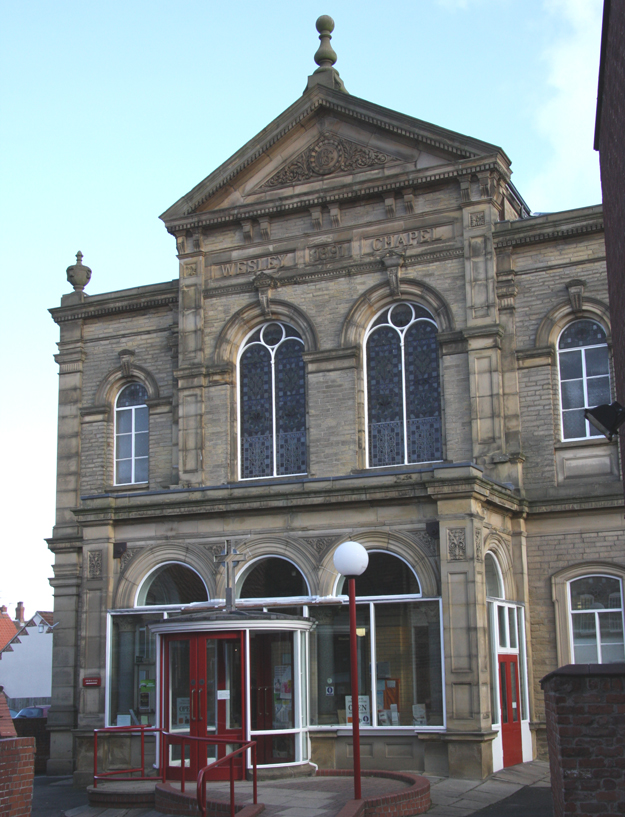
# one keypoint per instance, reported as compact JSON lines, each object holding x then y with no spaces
{"x":441,"y":146}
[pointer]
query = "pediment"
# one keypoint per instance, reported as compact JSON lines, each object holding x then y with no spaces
{"x":324,"y":142}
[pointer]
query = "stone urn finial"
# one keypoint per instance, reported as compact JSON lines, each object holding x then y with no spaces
{"x":78,"y":274}
{"x":325,"y":58}
{"x":326,"y":55}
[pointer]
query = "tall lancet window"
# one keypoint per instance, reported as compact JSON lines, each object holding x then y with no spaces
{"x":403,"y":387}
{"x":272,"y":403}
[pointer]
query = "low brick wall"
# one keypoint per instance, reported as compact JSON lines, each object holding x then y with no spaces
{"x":412,"y":800}
{"x":17,"y":764}
{"x":585,"y":715}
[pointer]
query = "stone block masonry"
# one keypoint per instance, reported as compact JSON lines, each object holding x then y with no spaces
{"x":585,"y":712}
{"x":17,"y":764}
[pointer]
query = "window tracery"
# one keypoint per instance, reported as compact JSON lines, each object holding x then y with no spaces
{"x":403,"y":387}
{"x":272,"y":400}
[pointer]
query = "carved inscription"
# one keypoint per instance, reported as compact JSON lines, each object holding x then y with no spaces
{"x":456,"y":544}
{"x":328,"y":252}
{"x":250,"y":266}
{"x":409,"y":238}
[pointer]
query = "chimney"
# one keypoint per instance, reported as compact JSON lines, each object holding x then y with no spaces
{"x":19,"y":614}
{"x":3,"y":610}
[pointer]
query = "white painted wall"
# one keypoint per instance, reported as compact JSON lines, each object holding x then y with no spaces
{"x":26,"y":672}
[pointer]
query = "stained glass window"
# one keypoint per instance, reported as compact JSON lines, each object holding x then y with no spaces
{"x":403,"y":387}
{"x":131,"y":435}
{"x":272,"y":399}
{"x":584,"y":376}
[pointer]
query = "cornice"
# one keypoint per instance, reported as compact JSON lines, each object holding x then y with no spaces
{"x":87,"y":310}
{"x":194,"y":220}
{"x":543,"y":235}
{"x":568,"y":504}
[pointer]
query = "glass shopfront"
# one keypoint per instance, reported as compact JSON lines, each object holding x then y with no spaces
{"x":294,"y":671}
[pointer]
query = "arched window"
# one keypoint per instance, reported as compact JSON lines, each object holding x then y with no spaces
{"x":272,"y":403}
{"x":403,"y":387}
{"x":131,"y":435}
{"x":273,"y":577}
{"x":584,"y":376}
{"x":386,"y":575}
{"x":596,"y":608}
{"x":172,"y":583}
{"x":494,"y":582}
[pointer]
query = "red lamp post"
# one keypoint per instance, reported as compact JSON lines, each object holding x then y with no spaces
{"x":351,"y":560}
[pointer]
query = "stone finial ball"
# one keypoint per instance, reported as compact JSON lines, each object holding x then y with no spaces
{"x":325,"y":23}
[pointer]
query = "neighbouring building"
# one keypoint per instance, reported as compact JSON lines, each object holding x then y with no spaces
{"x":610,"y":142}
{"x":370,"y":338}
{"x":26,"y":661}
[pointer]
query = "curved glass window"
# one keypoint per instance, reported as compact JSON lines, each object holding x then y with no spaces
{"x":131,"y":435}
{"x":584,"y":376}
{"x":273,"y":578}
{"x":272,"y":400}
{"x":172,"y":584}
{"x":596,"y":604}
{"x":403,"y":387}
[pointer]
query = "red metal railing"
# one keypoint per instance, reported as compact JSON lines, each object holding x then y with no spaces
{"x":201,"y":778}
{"x":167,"y":739}
{"x":117,"y":772}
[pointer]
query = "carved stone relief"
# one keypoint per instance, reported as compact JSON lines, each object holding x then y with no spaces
{"x":425,"y":542}
{"x":456,"y":544}
{"x":320,"y":543}
{"x":478,"y":545}
{"x":329,"y":155}
{"x":126,"y":558}
{"x":94,"y":564}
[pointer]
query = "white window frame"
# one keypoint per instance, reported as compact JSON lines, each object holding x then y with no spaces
{"x":132,"y":434}
{"x":597,"y":613}
{"x":584,"y":379}
{"x":370,"y":329}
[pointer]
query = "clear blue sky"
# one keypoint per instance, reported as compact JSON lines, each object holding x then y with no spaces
{"x":113,"y":110}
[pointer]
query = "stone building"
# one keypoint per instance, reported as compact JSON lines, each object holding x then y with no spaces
{"x":371,"y":339}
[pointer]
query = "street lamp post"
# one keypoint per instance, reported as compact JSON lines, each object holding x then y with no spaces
{"x":351,"y":560}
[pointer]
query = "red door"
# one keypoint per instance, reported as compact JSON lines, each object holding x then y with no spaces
{"x":510,"y":710}
{"x":203,"y":697}
{"x":273,"y":695}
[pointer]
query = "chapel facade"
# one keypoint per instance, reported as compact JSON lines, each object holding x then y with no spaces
{"x":370,"y":339}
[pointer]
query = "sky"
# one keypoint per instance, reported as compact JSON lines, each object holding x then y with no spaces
{"x":111,"y":111}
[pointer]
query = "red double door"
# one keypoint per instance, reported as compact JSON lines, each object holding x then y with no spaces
{"x":203,"y":697}
{"x":510,"y":709}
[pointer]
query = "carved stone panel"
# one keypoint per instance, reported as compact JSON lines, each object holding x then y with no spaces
{"x":456,"y":544}
{"x":94,"y":564}
{"x":329,"y":155}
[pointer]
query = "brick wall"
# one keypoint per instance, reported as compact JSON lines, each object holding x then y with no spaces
{"x":17,"y":759}
{"x":585,"y":712}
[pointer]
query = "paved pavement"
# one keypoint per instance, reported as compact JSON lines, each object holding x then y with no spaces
{"x":519,"y":791}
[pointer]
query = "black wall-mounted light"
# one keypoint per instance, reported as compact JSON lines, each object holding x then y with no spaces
{"x":606,"y":418}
